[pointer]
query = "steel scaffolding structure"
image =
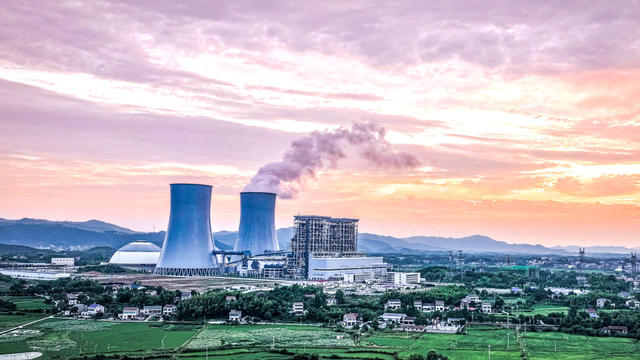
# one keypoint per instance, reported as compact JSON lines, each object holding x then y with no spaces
{"x":320,"y":234}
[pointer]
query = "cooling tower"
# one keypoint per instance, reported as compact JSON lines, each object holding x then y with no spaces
{"x":257,"y":232}
{"x":188,"y":244}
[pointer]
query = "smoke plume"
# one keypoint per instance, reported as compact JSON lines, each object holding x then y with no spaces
{"x":324,"y":149}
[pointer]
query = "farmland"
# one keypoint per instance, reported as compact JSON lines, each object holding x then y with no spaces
{"x":29,"y":303}
{"x":61,"y":339}
{"x":10,"y":321}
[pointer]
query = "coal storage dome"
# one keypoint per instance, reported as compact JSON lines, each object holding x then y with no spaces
{"x":139,"y":255}
{"x":188,"y":245}
{"x":257,"y":230}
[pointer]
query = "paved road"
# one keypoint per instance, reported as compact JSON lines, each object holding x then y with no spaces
{"x":23,"y":325}
{"x":21,"y":356}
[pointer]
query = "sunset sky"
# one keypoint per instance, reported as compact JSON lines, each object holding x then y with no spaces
{"x":524,"y":115}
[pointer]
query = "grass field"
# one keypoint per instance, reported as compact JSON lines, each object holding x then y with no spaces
{"x":11,"y":321}
{"x":62,"y":339}
{"x":28,"y":302}
{"x":545,"y":310}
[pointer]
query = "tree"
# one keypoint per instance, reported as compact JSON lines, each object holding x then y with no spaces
{"x":416,"y":357}
{"x":340,"y":296}
{"x":432,"y":355}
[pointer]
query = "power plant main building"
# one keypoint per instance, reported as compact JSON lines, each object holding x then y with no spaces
{"x":324,"y":248}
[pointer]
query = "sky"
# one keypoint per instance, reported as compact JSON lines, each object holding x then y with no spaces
{"x":523,"y":116}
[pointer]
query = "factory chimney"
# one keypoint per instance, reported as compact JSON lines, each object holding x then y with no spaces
{"x":188,"y":244}
{"x":257,"y":231}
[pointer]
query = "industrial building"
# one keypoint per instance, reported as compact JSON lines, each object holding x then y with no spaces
{"x":188,"y":248}
{"x":326,"y":248}
{"x":137,"y":255}
{"x":355,"y":267}
{"x":403,"y":278}
{"x":34,"y":275}
{"x":64,"y":261}
{"x":321,"y":234}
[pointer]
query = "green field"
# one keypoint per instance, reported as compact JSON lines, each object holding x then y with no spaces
{"x":28,"y":302}
{"x":62,"y":339}
{"x":11,"y":321}
{"x":544,"y":310}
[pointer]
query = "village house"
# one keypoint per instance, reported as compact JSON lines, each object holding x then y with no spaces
{"x":471,"y":298}
{"x":235,"y":315}
{"x":413,"y":328}
{"x":72,"y":299}
{"x":393,"y":304}
{"x":332,"y":301}
{"x":169,"y":310}
{"x":130,"y":312}
{"x":428,"y":307}
{"x":152,"y":310}
{"x":611,"y":330}
{"x":95,"y":309}
{"x":592,"y":313}
{"x":601,"y":302}
{"x":440,"y":305}
{"x":298,"y":308}
{"x":392,"y":317}
{"x":632,"y":304}
{"x":350,"y":320}
{"x":417,"y":303}
{"x":486,"y":307}
{"x":409,"y":320}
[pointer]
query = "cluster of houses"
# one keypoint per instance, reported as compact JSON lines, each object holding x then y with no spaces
{"x":404,"y":322}
{"x":128,"y":313}
{"x":631,"y":303}
{"x":83,"y":310}
{"x":468,"y":302}
{"x":603,"y":302}
{"x":135,"y":313}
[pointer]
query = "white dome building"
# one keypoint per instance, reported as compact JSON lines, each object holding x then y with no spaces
{"x":138,"y":255}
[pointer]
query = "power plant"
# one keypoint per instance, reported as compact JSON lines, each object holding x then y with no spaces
{"x":322,"y":248}
{"x":188,"y":245}
{"x":257,"y":230}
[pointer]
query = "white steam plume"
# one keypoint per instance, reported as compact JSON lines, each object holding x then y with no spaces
{"x":323,"y":149}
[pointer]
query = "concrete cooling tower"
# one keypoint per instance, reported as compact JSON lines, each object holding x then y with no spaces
{"x":257,"y":231}
{"x":188,"y":244}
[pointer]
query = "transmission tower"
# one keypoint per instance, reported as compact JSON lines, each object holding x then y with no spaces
{"x":581,"y":263}
{"x":460,"y":262}
{"x":450,"y":273}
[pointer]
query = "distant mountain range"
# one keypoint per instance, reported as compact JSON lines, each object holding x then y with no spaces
{"x":65,"y":235}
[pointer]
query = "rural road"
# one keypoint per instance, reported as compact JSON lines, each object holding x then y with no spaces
{"x":23,"y":325}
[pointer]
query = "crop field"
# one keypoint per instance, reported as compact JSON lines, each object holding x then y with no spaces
{"x":545,"y":310}
{"x":28,"y":302}
{"x":270,"y":335}
{"x":62,"y":339}
{"x":568,"y":346}
{"x":11,"y":321}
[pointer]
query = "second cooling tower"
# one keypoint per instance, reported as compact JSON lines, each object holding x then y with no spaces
{"x":257,"y":231}
{"x":188,"y":245}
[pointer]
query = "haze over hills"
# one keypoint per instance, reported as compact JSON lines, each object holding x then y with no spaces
{"x":64,"y":235}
